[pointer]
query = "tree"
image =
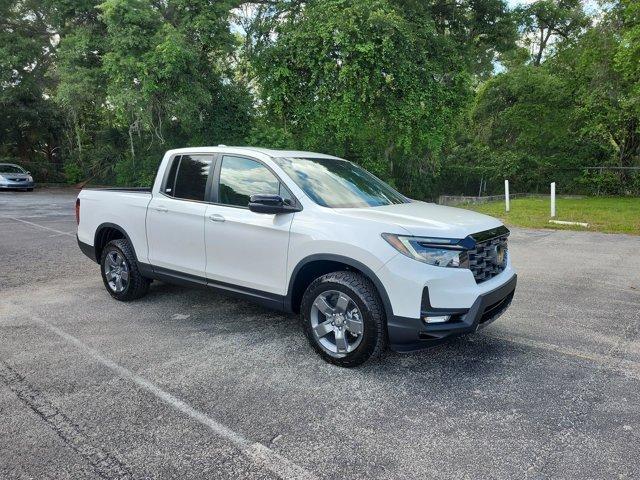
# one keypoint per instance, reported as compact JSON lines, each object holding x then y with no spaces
{"x":627,"y":57}
{"x":379,"y":82}
{"x":605,"y":86}
{"x":88,"y":145}
{"x":407,"y":88}
{"x":28,"y":124}
{"x":166,"y":78}
{"x":541,"y":123}
{"x":545,"y":21}
{"x":521,"y":125}
{"x":480,"y":30}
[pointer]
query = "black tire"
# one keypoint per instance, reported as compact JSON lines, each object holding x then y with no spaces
{"x":29,"y":189}
{"x":364,"y":294}
{"x":137,"y":286}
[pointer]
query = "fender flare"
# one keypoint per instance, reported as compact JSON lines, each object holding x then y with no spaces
{"x":368,"y":272}
{"x":101,"y":227}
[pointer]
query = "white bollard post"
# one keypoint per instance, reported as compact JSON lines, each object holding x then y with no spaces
{"x":553,"y":199}
{"x":506,"y":195}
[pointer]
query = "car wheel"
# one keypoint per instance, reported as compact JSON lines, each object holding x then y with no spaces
{"x":120,"y":273}
{"x":29,"y":189}
{"x":344,"y":318}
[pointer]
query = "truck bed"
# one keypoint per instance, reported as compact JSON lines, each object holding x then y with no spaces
{"x":124,"y":207}
{"x":121,"y":189}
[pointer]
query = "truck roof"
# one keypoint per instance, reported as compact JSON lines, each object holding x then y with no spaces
{"x":266,"y":151}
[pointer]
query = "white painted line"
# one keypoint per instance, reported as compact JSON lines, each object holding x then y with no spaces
{"x":61,"y":233}
{"x":41,"y":226}
{"x":562,"y":222}
{"x":258,"y":453}
{"x":48,"y":217}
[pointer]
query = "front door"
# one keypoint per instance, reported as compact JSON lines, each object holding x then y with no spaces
{"x":176,"y":216}
{"x":244,"y":248}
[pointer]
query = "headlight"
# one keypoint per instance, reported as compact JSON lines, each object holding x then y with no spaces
{"x":440,"y":252}
{"x":29,"y":178}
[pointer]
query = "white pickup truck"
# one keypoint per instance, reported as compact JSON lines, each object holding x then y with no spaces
{"x":365,"y":266}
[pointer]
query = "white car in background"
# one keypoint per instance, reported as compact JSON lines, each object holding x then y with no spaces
{"x":15,"y":177}
{"x":365,"y":266}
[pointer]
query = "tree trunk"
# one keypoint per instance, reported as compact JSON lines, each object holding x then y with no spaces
{"x":544,"y":38}
{"x":388,"y":152}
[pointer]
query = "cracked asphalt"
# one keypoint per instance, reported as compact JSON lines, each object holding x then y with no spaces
{"x":189,"y":383}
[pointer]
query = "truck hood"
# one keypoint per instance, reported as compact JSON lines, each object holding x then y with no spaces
{"x":427,"y":219}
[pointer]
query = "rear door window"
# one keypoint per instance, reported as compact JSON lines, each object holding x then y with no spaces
{"x":188,"y":177}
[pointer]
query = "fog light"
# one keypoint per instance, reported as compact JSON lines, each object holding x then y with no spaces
{"x":437,"y":319}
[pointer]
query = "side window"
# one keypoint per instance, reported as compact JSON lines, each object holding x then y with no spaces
{"x":191,"y":174}
{"x":170,"y":180}
{"x":241,"y":177}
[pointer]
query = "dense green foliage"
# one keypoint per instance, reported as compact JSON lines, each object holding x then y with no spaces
{"x":561,"y":118}
{"x":410,"y":89}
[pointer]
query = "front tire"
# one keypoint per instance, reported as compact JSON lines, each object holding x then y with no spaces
{"x":344,"y":318}
{"x":120,"y":273}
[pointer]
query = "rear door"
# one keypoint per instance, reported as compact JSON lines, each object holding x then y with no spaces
{"x":244,"y":248}
{"x":175,"y":217}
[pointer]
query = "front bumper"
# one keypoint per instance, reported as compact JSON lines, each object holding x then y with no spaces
{"x":410,"y":334}
{"x":12,"y":185}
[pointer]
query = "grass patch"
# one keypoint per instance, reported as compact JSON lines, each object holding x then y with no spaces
{"x":603,"y":214}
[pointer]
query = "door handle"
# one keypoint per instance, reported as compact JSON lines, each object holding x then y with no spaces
{"x":162,"y":209}
{"x":216,"y":218}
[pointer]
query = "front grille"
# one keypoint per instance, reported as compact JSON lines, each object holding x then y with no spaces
{"x":18,"y":179}
{"x":489,"y":257}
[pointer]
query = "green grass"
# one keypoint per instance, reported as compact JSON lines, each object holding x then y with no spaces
{"x":603,"y":214}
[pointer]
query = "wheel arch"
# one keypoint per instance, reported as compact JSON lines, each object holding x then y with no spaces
{"x":107,"y":232}
{"x":313,"y":266}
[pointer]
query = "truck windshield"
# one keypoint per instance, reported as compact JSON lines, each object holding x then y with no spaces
{"x":338,"y":183}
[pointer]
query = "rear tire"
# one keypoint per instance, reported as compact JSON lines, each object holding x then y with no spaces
{"x":344,"y":318}
{"x":120,"y":272}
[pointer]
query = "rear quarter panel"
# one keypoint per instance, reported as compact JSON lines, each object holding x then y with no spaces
{"x":128,"y":210}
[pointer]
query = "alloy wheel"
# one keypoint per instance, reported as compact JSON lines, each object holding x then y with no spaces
{"x":116,"y":271}
{"x":336,"y":323}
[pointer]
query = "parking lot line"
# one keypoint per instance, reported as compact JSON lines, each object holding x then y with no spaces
{"x":41,"y":226}
{"x":59,"y":234}
{"x":259,"y":454}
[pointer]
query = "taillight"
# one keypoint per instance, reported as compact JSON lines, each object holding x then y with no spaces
{"x":77,"y":211}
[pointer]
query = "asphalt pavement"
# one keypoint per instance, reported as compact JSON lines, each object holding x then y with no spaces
{"x":190,"y":383}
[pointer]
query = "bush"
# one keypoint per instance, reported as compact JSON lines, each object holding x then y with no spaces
{"x":73,"y":173}
{"x":595,"y":182}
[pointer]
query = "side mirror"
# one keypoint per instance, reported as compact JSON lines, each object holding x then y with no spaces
{"x":272,"y":204}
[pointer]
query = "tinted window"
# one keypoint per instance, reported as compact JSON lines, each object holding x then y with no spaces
{"x":241,"y":177}
{"x":339,"y":184}
{"x":171,"y":176}
{"x":191,"y":177}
